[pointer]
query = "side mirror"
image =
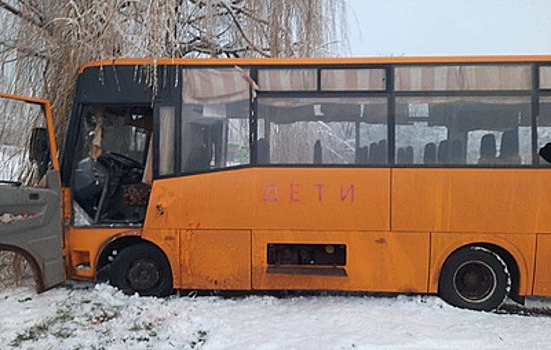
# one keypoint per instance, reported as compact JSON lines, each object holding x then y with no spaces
{"x":545,"y":152}
{"x":39,"y":149}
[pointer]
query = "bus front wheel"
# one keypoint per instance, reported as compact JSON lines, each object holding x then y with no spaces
{"x":475,"y":278}
{"x":142,"y":268}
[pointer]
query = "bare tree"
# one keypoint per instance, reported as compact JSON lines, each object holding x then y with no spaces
{"x":43,"y":42}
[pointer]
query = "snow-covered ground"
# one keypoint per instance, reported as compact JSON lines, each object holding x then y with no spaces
{"x":100,"y":317}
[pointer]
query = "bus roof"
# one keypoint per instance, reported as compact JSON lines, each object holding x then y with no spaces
{"x":316,"y":61}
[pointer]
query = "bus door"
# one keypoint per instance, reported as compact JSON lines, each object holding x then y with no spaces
{"x":30,"y":205}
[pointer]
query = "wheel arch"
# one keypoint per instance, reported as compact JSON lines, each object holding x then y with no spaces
{"x":37,"y":271}
{"x":142,"y":268}
{"x":508,"y":258}
{"x":117,"y":244}
{"x":520,"y":247}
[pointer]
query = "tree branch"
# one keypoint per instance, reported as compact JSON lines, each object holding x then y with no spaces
{"x":244,"y":35}
{"x":26,"y":51}
{"x":20,"y":14}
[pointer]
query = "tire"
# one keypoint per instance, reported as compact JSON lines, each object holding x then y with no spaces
{"x":142,"y":268}
{"x":475,"y":278}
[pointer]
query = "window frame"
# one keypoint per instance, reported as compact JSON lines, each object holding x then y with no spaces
{"x":359,"y":95}
{"x":177,"y":103}
{"x":537,"y":95}
{"x":462,"y":64}
{"x":389,"y":93}
{"x":319,"y":93}
{"x":532,"y":93}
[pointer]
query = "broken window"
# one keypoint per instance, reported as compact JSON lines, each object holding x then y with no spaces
{"x":110,"y":183}
{"x":18,"y":119}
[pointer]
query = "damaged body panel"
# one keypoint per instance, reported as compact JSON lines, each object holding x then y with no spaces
{"x":30,"y":224}
{"x":30,"y":203}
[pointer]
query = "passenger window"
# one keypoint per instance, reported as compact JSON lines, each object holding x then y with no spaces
{"x":464,"y":77}
{"x":215,"y":119}
{"x":287,"y":79}
{"x":545,"y":77}
{"x":544,"y":125}
{"x":463,"y":130}
{"x":322,"y":131}
{"x":353,"y":80}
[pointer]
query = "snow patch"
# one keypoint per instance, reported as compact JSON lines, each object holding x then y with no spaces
{"x":102,"y":317}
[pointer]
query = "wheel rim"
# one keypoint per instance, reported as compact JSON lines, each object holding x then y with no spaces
{"x":475,"y":281}
{"x":143,"y":275}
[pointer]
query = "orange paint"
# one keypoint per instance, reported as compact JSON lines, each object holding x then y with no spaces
{"x":276,"y":198}
{"x":216,"y":259}
{"x":313,"y":61}
{"x":84,"y":246}
{"x":399,"y":225}
{"x":542,"y":276}
{"x":215,"y":227}
{"x":376,"y":261}
{"x":471,"y":200}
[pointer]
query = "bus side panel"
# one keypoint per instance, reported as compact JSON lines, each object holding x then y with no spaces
{"x":273,"y":198}
{"x":375,"y":261}
{"x":471,"y":200}
{"x":216,"y":259}
{"x":521,"y":246}
{"x":220,"y":200}
{"x":542,"y":281}
{"x":85,"y":244}
{"x":322,"y":199}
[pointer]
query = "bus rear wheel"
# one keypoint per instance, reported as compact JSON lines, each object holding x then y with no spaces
{"x":142,"y":268}
{"x":475,"y":278}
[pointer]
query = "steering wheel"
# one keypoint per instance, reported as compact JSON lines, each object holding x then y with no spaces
{"x":122,"y":160}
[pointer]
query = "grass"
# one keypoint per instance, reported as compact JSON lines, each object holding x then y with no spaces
{"x":33,"y":333}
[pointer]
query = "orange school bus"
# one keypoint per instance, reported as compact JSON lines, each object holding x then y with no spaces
{"x":408,"y":175}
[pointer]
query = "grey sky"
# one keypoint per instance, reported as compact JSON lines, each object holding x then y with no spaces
{"x":449,"y":27}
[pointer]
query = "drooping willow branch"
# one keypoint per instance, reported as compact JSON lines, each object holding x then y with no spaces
{"x":44,"y":42}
